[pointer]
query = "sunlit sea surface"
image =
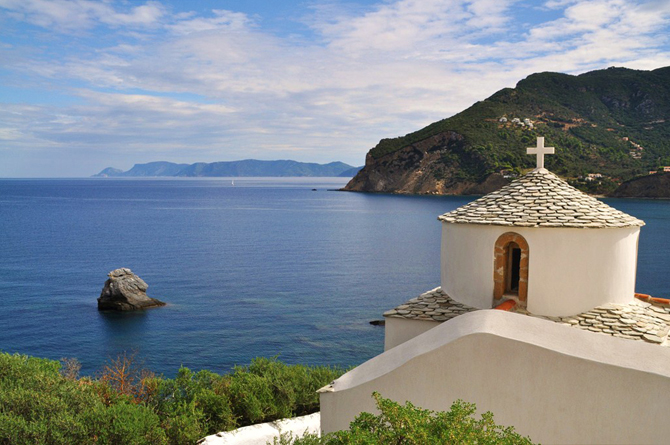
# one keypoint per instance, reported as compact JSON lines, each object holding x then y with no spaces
{"x":261,"y":267}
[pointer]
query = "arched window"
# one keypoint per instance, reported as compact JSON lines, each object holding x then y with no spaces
{"x":510,"y":269}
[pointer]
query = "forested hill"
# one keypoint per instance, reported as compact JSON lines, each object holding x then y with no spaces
{"x":248,"y":167}
{"x":613,"y":122}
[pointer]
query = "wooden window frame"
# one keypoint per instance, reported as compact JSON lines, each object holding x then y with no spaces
{"x":501,"y":266}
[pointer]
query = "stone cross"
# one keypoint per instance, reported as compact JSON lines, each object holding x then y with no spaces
{"x":540,"y":151}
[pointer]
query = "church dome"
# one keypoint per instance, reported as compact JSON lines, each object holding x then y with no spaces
{"x":527,"y":242}
{"x":540,"y":199}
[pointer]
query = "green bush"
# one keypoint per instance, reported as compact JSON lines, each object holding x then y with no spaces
{"x":124,"y":422}
{"x":268,"y":389}
{"x":39,"y":405}
{"x":407,"y":424}
{"x":42,"y":403}
{"x":192,"y":405}
{"x":184,"y":423}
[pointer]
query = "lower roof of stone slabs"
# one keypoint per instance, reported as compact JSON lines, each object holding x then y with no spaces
{"x":540,"y":199}
{"x":642,"y":320}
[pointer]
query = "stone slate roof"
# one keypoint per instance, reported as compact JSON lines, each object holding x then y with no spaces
{"x":433,"y":305}
{"x":637,"y":320}
{"x":540,"y":199}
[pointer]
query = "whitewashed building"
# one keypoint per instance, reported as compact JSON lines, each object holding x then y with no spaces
{"x":543,"y":243}
{"x":554,"y":259}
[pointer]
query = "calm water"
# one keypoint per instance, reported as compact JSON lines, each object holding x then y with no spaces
{"x":262,"y":268}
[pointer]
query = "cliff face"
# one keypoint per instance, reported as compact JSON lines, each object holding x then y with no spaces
{"x":611,"y":122}
{"x":419,"y":169}
{"x":652,"y":186}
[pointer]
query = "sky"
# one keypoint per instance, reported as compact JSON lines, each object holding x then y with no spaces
{"x":86,"y":85}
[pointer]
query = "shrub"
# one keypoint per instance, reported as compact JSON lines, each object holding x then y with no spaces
{"x":44,"y":402}
{"x":407,"y":424}
{"x":125,"y":422}
{"x":268,"y":389}
{"x":184,"y":423}
{"x":70,"y":368}
{"x":125,"y":376}
{"x":39,"y":405}
{"x":192,"y":405}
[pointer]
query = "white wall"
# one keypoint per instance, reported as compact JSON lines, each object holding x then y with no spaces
{"x":399,"y":330}
{"x":570,"y":270}
{"x":578,"y":269}
{"x":551,"y":382}
{"x":264,"y":433}
{"x":467,"y":262}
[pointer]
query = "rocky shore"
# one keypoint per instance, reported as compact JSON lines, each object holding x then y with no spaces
{"x":651,"y":186}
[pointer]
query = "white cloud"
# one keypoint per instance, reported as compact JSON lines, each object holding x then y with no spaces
{"x":77,"y":15}
{"x":9,"y":134}
{"x":221,"y":19}
{"x":221,"y":86}
{"x":141,"y":104}
{"x":559,"y":4}
{"x":395,"y":27}
{"x":144,"y":15}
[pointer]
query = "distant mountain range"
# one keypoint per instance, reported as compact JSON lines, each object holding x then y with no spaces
{"x":608,"y":126}
{"x":248,"y":167}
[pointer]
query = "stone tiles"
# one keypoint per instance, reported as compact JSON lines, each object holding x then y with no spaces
{"x":634,"y":321}
{"x":637,"y":320}
{"x":434,"y":305}
{"x":540,"y":199}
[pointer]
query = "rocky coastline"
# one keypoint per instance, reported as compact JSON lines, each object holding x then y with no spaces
{"x":654,"y":186}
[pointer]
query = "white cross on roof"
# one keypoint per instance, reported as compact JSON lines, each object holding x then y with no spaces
{"x":540,"y":151}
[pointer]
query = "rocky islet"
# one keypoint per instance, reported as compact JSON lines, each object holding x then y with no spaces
{"x":125,"y":291}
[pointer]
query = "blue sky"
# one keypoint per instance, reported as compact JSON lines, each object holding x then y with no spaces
{"x":89,"y":84}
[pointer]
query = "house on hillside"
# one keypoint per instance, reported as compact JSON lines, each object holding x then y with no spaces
{"x":593,"y":177}
{"x":536,"y":320}
{"x":508,"y":174}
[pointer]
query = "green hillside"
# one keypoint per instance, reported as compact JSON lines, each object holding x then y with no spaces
{"x":615,"y":122}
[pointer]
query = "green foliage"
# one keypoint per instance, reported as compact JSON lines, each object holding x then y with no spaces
{"x":268,"y":389}
{"x":184,"y":422}
{"x":39,"y":405}
{"x":586,"y":117}
{"x":124,"y":422}
{"x":193,"y":405}
{"x":407,"y":424}
{"x":40,"y":402}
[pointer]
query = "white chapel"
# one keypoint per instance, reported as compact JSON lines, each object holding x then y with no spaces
{"x":521,"y":268}
{"x":555,"y":250}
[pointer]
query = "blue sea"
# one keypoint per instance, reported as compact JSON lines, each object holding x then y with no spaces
{"x":261,"y":267}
